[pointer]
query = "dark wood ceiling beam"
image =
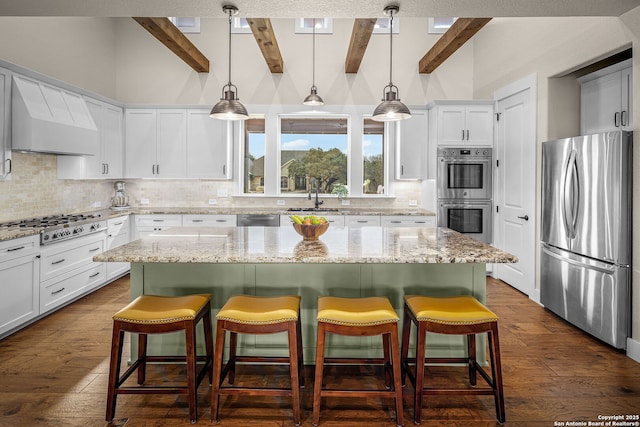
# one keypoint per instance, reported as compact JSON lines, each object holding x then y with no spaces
{"x":461,"y":31}
{"x":266,"y":38}
{"x":360,"y":35}
{"x":170,"y":36}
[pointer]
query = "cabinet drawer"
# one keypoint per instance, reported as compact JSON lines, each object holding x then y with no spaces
{"x":15,"y":248}
{"x":214,"y":220}
{"x":362,"y":221}
{"x":408,"y":221}
{"x":69,"y":255}
{"x":70,"y":285}
{"x":158,"y":220}
{"x":116,"y":226}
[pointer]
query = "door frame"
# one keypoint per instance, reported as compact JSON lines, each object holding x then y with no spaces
{"x":529,"y":82}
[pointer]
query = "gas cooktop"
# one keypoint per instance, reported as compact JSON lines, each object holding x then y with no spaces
{"x":61,"y":227}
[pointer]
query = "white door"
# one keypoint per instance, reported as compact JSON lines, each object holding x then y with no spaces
{"x":515,"y":183}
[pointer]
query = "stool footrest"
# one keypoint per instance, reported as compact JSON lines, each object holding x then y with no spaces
{"x":253,"y":390}
{"x":353,"y":361}
{"x":439,"y":360}
{"x":357,"y":393}
{"x":457,"y":391}
{"x":153,"y":390}
{"x":262,"y":359}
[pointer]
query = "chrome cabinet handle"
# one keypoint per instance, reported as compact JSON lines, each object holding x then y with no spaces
{"x":118,"y":223}
{"x":623,"y":121}
{"x":58,"y":291}
{"x":463,"y":134}
{"x":94,"y":249}
{"x":526,"y":217}
{"x":15,"y":249}
{"x":224,"y":169}
{"x":9,"y":160}
{"x":58,"y":262}
{"x":197,"y":220}
{"x":467,"y":134}
{"x":94,"y":275}
{"x":616,"y":119}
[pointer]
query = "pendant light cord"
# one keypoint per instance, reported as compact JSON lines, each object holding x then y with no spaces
{"x":313,"y":72}
{"x":391,"y":48}
{"x":230,"y":14}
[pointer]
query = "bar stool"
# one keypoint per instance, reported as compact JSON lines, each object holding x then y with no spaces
{"x":246,"y":314}
{"x":459,"y":315}
{"x":150,"y":314}
{"x":359,"y":317}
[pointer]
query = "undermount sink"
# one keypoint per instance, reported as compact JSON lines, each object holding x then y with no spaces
{"x":312,"y":210}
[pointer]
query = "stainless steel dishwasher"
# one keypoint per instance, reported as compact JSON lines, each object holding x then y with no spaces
{"x":258,"y":220}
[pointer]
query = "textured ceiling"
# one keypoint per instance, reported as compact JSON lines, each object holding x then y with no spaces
{"x":318,"y":8}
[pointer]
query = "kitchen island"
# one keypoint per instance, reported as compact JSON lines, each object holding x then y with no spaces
{"x":345,"y":262}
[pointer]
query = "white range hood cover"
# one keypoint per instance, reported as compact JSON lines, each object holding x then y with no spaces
{"x":48,"y":119}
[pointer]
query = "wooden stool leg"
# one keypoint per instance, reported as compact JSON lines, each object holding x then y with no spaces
{"x":208,"y":342}
{"x":420,"y":355}
{"x":190,"y":340}
{"x":233,"y":344}
{"x":317,"y":386}
{"x":496,"y":372}
{"x":294,"y":371}
{"x":471,"y":355}
{"x":142,"y":357}
{"x":117,"y":339}
{"x":397,"y":382}
{"x":218,"y":354}
{"x":386,"y":348}
{"x":300,"y":351}
{"x":406,"y":333}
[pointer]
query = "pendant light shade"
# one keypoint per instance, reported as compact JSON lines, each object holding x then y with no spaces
{"x":391,"y":108}
{"x":314,"y":98}
{"x":229,"y":107}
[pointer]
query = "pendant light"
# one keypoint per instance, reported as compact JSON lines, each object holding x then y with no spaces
{"x":314,"y":98}
{"x":229,"y":106}
{"x":391,"y":109}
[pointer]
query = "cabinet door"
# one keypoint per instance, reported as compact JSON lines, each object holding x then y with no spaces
{"x":479,"y":125}
{"x":140,"y":147}
{"x":411,"y":146}
{"x":208,"y":148}
{"x":5,"y":120}
{"x":600,"y":101}
{"x":171,"y":144}
{"x":626,"y":115}
{"x":112,"y":143}
{"x":93,"y":165}
{"x":19,"y":293}
{"x":451,"y":125}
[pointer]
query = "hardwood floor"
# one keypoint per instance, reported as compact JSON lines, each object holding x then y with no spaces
{"x":54,"y":373}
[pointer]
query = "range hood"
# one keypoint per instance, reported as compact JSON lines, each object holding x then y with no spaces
{"x":48,"y":119}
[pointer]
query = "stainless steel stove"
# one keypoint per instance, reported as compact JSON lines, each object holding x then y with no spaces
{"x":57,"y":228}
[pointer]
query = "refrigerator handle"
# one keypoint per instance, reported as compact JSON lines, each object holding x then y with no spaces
{"x":569,"y":196}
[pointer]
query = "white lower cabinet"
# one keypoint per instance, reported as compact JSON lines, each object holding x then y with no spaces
{"x":407,"y":221}
{"x":118,"y":234}
{"x":149,"y":224}
{"x":206,"y":220}
{"x":354,"y":221}
{"x":19,"y":282}
{"x":67,"y":270}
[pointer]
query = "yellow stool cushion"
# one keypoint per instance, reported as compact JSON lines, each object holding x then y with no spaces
{"x":459,"y":310}
{"x":356,"y":311}
{"x":260,"y":310}
{"x":162,"y":309}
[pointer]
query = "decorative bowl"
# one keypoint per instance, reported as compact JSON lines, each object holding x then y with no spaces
{"x":311,"y":231}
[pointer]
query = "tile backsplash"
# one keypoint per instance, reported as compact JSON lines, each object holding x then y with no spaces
{"x":34,"y":190}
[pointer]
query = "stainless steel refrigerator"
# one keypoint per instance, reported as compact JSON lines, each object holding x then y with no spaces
{"x":585,"y":259}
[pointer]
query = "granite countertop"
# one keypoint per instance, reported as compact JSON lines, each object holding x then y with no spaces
{"x":16,"y":233}
{"x":347,"y":210}
{"x":283,"y":245}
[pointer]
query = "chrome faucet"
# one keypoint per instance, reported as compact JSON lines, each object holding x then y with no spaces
{"x":315,"y":181}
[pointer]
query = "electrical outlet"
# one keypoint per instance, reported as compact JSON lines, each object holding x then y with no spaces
{"x":213,"y":202}
{"x":97,"y":204}
{"x":346,"y":202}
{"x":222,"y":192}
{"x":413,"y":203}
{"x":144,"y":201}
{"x":280,"y":202}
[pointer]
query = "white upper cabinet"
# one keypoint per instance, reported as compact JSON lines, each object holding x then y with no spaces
{"x":155,"y":142}
{"x":5,"y":123}
{"x":208,"y":146}
{"x":461,"y":124}
{"x":606,"y":101}
{"x":411,"y":147}
{"x":108,"y":164}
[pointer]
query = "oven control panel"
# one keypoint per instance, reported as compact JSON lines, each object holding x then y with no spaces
{"x":464,"y":152}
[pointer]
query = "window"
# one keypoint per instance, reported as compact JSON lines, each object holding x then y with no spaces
{"x":240,"y":26}
{"x":382,"y":26}
{"x":186,"y":24}
{"x":254,"y":148}
{"x":373,"y":158}
{"x":312,"y":147}
{"x":305,"y":25}
{"x":440,"y":25}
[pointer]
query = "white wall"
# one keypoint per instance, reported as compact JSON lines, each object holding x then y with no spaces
{"x":511,"y":48}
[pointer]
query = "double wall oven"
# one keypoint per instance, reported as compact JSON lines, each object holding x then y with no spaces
{"x":464,"y":188}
